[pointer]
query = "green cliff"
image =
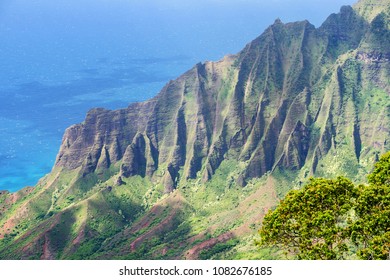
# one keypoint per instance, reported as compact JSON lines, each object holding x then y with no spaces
{"x":190,"y":173}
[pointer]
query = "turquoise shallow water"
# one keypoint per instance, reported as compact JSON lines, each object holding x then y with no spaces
{"x":60,"y":58}
{"x":34,"y":114}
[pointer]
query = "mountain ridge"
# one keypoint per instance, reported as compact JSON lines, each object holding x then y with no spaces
{"x":232,"y":135}
{"x":213,"y":151}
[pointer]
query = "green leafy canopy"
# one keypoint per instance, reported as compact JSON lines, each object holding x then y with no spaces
{"x":329,"y":219}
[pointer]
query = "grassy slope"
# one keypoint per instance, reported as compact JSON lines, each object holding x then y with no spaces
{"x":71,"y":217}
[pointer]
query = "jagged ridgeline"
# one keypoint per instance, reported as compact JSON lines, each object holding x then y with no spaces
{"x":191,"y":172}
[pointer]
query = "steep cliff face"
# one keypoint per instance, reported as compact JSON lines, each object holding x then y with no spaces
{"x":202,"y":162}
{"x":290,"y":97}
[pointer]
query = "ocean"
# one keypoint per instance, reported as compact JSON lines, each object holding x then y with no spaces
{"x":58,"y":59}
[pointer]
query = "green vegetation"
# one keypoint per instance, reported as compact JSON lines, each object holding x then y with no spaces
{"x":331,"y":219}
{"x":371,"y":229}
{"x":192,"y":172}
{"x":220,"y":247}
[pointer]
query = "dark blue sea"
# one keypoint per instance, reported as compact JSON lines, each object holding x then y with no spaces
{"x":60,"y":58}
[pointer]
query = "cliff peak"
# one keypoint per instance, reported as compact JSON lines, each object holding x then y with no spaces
{"x":203,"y":161}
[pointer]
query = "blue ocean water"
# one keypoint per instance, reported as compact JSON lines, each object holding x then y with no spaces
{"x":60,"y":58}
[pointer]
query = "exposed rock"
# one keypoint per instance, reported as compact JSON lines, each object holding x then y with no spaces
{"x":272,"y":105}
{"x":119,"y":181}
{"x":297,"y":101}
{"x":373,"y":57}
{"x":296,"y":148}
{"x":134,"y":160}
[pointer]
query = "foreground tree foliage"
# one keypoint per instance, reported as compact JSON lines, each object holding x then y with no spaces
{"x":333,"y":219}
{"x":309,"y":222}
{"x":371,"y":230}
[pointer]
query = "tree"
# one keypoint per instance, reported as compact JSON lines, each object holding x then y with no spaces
{"x":381,"y":174}
{"x":327,"y":217}
{"x":371,"y":230}
{"x":310,"y":223}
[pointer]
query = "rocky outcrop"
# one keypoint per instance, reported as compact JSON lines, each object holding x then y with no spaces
{"x":297,"y":101}
{"x":289,"y":98}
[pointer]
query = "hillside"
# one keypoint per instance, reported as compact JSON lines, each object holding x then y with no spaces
{"x":190,"y":173}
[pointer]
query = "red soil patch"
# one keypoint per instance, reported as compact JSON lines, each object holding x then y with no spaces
{"x":253,"y":208}
{"x":173,"y":203}
{"x":147,"y":220}
{"x":47,"y":253}
{"x":193,"y":253}
{"x":80,"y":236}
{"x":161,"y":227}
{"x":22,"y":211}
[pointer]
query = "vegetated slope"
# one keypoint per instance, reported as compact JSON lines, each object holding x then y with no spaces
{"x":191,"y":172}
